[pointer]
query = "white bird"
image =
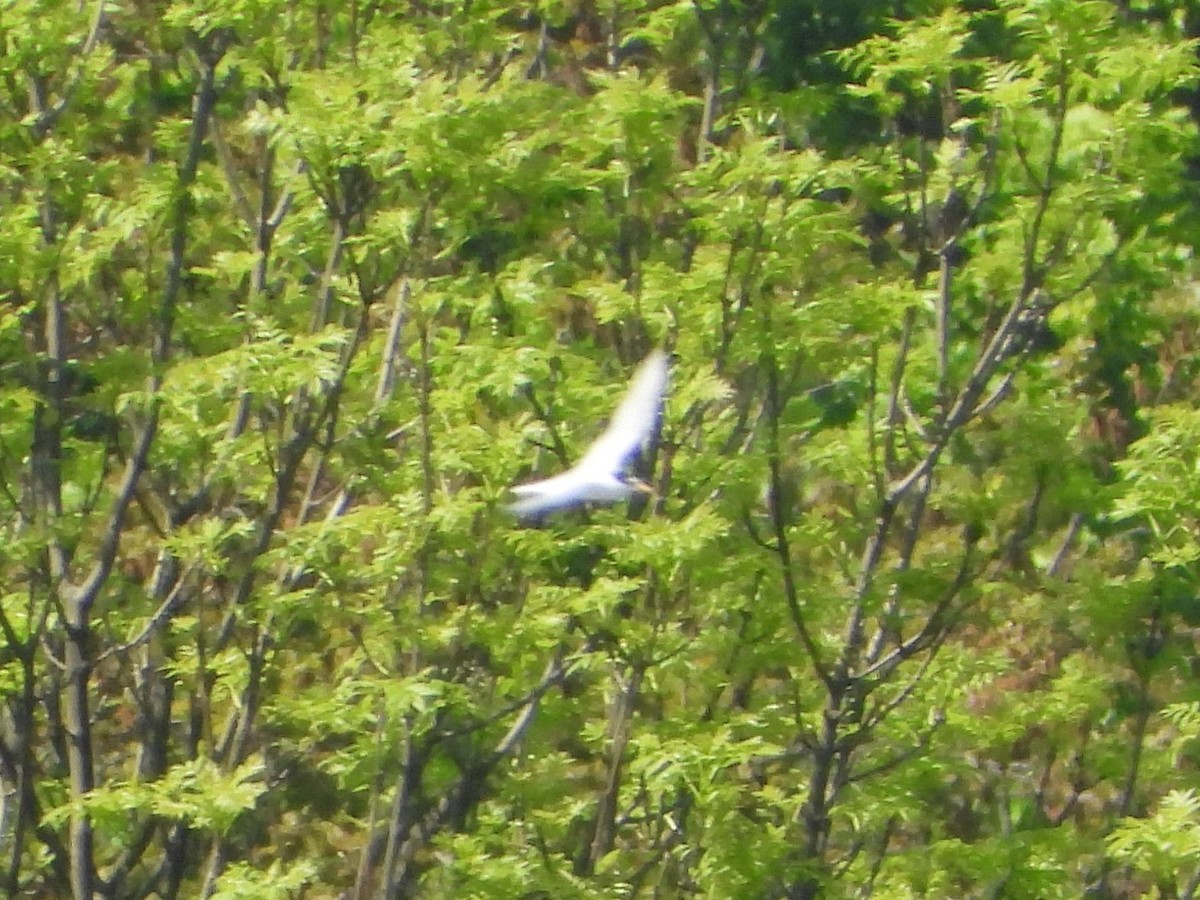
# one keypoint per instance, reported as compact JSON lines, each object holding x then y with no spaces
{"x":600,"y":477}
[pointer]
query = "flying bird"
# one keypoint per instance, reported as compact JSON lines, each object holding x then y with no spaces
{"x":600,"y":476}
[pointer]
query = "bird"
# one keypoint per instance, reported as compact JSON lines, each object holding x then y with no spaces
{"x":601,"y":476}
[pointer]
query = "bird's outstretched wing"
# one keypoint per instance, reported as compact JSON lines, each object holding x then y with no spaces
{"x":633,"y":422}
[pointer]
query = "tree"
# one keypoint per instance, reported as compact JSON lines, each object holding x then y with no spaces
{"x":292,"y":294}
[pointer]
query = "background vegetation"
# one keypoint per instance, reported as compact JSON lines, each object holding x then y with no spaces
{"x":292,"y":292}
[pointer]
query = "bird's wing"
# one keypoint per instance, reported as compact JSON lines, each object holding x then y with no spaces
{"x":633,"y":422}
{"x":545,"y":496}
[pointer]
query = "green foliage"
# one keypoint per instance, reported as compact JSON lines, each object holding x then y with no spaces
{"x":194,"y":792}
{"x":274,"y":882}
{"x":294,"y":293}
{"x":1165,"y":844}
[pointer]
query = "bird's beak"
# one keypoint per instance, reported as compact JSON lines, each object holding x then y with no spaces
{"x":640,"y":486}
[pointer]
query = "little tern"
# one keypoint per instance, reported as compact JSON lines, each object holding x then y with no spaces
{"x":600,"y":476}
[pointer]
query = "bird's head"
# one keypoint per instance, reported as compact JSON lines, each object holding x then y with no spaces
{"x":638,"y":486}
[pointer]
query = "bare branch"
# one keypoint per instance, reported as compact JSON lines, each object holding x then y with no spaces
{"x":783,"y":549}
{"x":606,"y":805}
{"x":456,"y":801}
{"x":392,"y":356}
{"x":935,"y":626}
{"x":241,"y":203}
{"x":156,"y":621}
{"x":944,"y":303}
{"x":47,"y":117}
{"x":893,"y":414}
{"x":996,"y":397}
{"x":1056,"y":563}
{"x":202,"y":106}
{"x":896,"y":759}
